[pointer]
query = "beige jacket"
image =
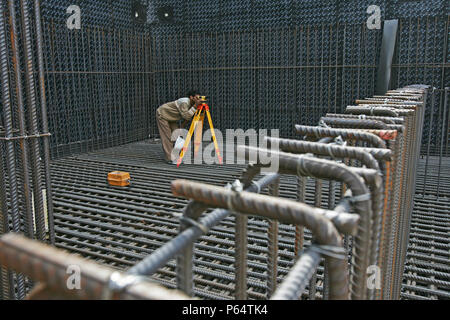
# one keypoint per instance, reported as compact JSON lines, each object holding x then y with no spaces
{"x":176,"y":110}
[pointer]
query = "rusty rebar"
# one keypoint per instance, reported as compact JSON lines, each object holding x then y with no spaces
{"x":365,"y":155}
{"x":350,"y":134}
{"x":373,"y":111}
{"x":297,"y":279}
{"x":50,"y":266}
{"x":387,"y":120}
{"x":354,"y":123}
{"x":285,"y":211}
{"x":330,"y":170}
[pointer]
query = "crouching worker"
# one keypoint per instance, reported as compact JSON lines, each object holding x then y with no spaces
{"x":168,"y":115}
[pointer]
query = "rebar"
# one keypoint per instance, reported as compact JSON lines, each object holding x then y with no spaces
{"x":33,"y":123}
{"x":323,"y":169}
{"x":352,"y":153}
{"x":95,"y":79}
{"x":354,"y":123}
{"x":272,"y":239}
{"x":282,"y":210}
{"x":296,"y":281}
{"x":10,"y":154}
{"x":28,"y":221}
{"x":153,"y":262}
{"x":375,"y":141}
{"x":387,"y":120}
{"x":378,"y":111}
{"x":44,"y":117}
{"x":49,"y":265}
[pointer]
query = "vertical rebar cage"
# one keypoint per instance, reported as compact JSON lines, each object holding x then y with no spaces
{"x":25,"y":159}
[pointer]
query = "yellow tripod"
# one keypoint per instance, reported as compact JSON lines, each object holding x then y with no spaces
{"x":197,"y":126}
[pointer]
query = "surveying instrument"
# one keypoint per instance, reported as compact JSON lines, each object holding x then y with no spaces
{"x":197,"y":127}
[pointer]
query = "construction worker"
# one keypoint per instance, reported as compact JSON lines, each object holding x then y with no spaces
{"x":168,"y":115}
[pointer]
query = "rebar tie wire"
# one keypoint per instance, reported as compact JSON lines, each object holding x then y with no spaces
{"x":301,"y":170}
{"x":191,"y":222}
{"x":360,"y":198}
{"x":194,"y":190}
{"x":33,"y":136}
{"x":236,"y":187}
{"x":323,"y":124}
{"x":340,"y":141}
{"x":118,"y":283}
{"x":329,"y":251}
{"x":258,"y":186}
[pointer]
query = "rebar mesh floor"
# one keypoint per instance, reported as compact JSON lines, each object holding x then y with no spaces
{"x":120,"y":226}
{"x":427,"y":267}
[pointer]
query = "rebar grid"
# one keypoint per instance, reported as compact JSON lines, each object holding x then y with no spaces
{"x":100,"y":75}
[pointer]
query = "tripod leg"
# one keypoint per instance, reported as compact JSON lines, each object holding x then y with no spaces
{"x":214,"y":137}
{"x":198,"y":135}
{"x":189,"y":137}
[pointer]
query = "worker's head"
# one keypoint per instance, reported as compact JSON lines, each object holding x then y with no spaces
{"x":195,"y":98}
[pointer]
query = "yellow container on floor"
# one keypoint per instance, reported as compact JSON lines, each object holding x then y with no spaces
{"x":119,"y":179}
